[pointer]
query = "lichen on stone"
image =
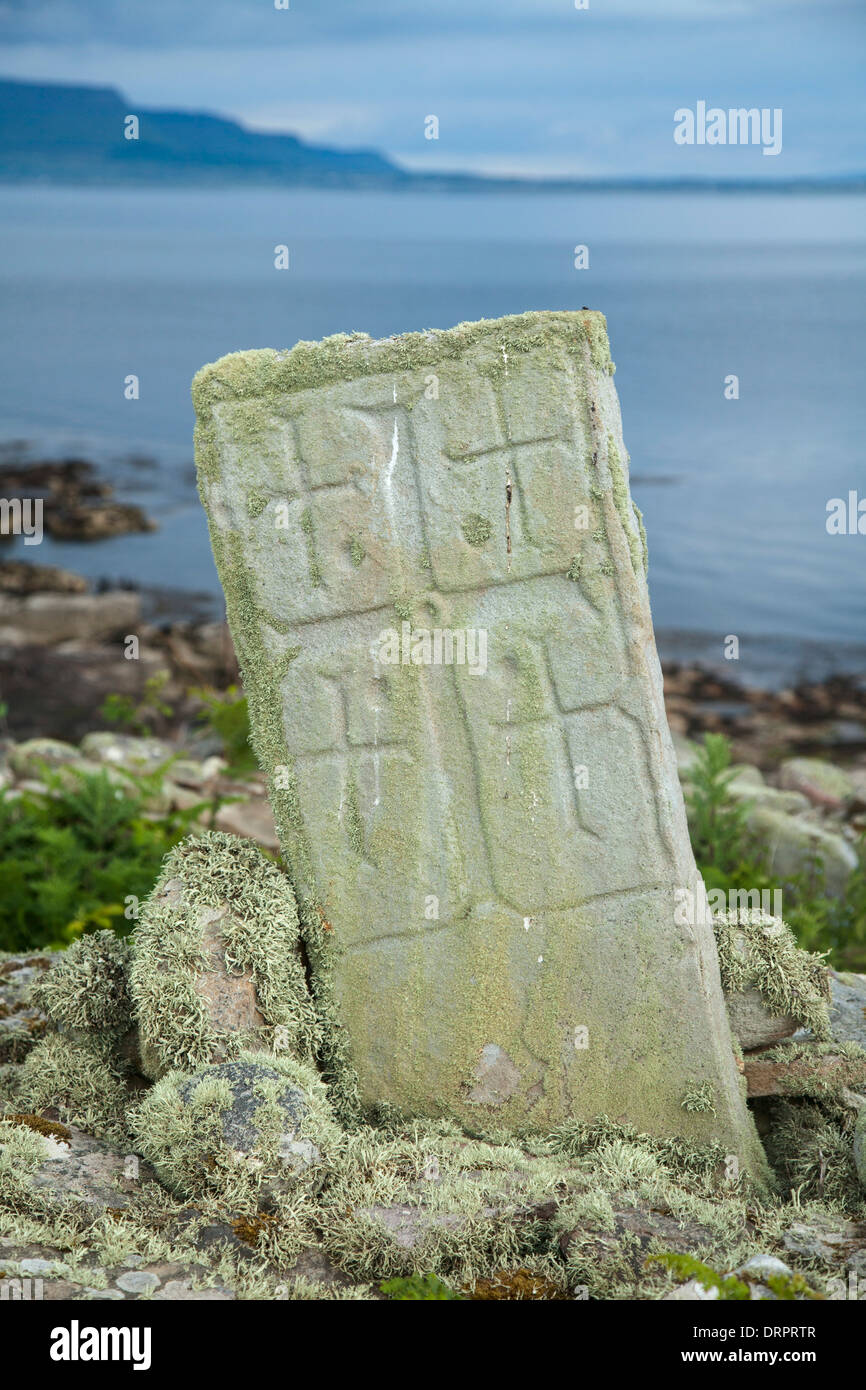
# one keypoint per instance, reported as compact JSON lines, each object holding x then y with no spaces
{"x":87,"y":987}
{"x":237,"y":1130}
{"x":261,"y":934}
{"x":83,"y":1079}
{"x":759,"y":951}
{"x":477,"y":529}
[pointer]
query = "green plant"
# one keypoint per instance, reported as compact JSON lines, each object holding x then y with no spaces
{"x":687,"y":1267}
{"x":80,"y":857}
{"x":139,"y":717}
{"x":728,"y":859}
{"x":227,"y":715}
{"x":718,"y":823}
{"x":419,"y":1286}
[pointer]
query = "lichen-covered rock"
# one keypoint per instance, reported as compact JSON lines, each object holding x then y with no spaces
{"x":249,"y":1127}
{"x":848,"y":1007}
{"x":84,"y":1080}
{"x":22,"y":1021}
{"x":72,"y":1166}
{"x":860,"y":1147}
{"x":34,"y":755}
{"x":126,"y":751}
{"x":217,"y":965}
{"x":87,"y":987}
{"x":484,"y":828}
{"x":772,"y":987}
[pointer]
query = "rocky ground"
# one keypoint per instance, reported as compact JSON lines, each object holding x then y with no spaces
{"x":87,"y":1211}
{"x":579,"y":1214}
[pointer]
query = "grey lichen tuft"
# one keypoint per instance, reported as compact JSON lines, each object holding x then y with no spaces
{"x":85,"y":1081}
{"x":699,"y":1098}
{"x":219,"y":879}
{"x":761,"y":952}
{"x":87,"y":987}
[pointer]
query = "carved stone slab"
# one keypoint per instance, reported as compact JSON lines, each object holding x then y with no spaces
{"x":436,"y":582}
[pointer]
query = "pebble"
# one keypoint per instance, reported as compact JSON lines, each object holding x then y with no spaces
{"x":137,"y":1281}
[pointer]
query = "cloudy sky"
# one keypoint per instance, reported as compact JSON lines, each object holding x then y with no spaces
{"x":518,"y":86}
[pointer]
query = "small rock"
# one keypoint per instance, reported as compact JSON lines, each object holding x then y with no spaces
{"x":182,"y":1291}
{"x":137,"y":1281}
{"x":29,"y":759}
{"x":46,"y":619}
{"x":251,"y":820}
{"x":112,"y":1295}
{"x":43,"y":1268}
{"x":752,"y":1023}
{"x":692,"y":1292}
{"x":848,"y":1008}
{"x":762,"y":1267}
{"x":790,"y":803}
{"x":824,"y":784}
{"x":90,"y":1173}
{"x":209,"y":1130}
{"x":20,"y":577}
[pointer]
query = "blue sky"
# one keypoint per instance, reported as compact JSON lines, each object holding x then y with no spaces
{"x":519,"y":86}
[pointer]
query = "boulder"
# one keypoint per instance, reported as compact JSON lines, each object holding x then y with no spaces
{"x":793,"y":844}
{"x":252,"y":1128}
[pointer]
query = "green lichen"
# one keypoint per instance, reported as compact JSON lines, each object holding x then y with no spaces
{"x":256,"y":503}
{"x":810,"y":1147}
{"x":315,"y":568}
{"x":353,"y":819}
{"x":627,"y":512}
{"x":84,"y":1080}
{"x":476,"y":528}
{"x":573,"y":571}
{"x":249,"y":376}
{"x":260,"y":931}
{"x":807,"y":1073}
{"x":357,"y":552}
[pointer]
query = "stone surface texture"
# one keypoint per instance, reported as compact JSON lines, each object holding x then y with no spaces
{"x":486,"y":862}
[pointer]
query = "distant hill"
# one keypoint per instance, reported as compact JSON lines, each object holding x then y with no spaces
{"x":69,"y":134}
{"x":61,"y":133}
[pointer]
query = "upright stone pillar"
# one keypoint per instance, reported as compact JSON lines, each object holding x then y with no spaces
{"x":436,"y":582}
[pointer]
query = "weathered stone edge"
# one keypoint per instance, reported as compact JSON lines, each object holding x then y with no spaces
{"x":345,"y":356}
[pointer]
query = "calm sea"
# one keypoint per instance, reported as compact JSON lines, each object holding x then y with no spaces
{"x":95,"y":285}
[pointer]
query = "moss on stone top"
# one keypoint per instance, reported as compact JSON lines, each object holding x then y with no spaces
{"x":247,"y":375}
